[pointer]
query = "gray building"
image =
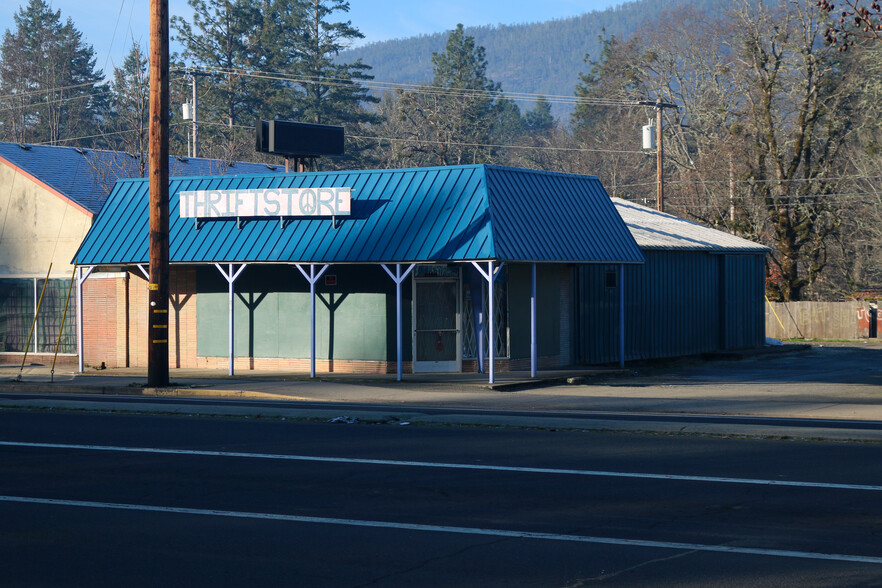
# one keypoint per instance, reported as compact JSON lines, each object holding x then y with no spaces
{"x":700,"y":290}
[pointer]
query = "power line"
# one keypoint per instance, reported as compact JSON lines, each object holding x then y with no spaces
{"x":415,"y":88}
{"x":50,"y":90}
{"x":423,"y":89}
{"x":459,"y":143}
{"x":751,"y":181}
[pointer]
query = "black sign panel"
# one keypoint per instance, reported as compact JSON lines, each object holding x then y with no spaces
{"x":293,"y":138}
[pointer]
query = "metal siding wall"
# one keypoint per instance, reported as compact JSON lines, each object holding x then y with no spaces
{"x":745,"y":313}
{"x":675,"y":309}
{"x":671,"y":308}
{"x":598,"y":316}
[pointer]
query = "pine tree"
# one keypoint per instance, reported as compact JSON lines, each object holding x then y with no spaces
{"x":453,"y":119}
{"x":128,"y":120}
{"x":48,"y":81}
{"x":328,"y":92}
{"x":540,"y":120}
{"x":222,"y":41}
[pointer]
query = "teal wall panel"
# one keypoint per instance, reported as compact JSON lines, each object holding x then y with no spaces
{"x":355,"y":319}
{"x":548,"y":285}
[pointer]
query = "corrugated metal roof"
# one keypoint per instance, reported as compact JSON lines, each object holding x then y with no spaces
{"x":412,"y":215}
{"x":87,"y":176}
{"x":656,"y":230}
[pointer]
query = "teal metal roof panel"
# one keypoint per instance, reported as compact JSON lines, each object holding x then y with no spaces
{"x":428,"y":214}
{"x":545,"y":216}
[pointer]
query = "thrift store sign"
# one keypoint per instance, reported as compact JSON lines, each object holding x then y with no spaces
{"x":269,"y":202}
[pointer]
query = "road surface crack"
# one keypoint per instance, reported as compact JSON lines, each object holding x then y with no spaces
{"x":604,"y":575}
{"x":433,"y":560}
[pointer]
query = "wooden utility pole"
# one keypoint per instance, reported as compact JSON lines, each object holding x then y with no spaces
{"x":157,"y":320}
{"x":660,"y":150}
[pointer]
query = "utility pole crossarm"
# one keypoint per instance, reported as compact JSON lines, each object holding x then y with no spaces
{"x":656,"y":104}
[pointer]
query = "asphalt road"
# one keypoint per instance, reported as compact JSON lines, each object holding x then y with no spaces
{"x":108,"y":500}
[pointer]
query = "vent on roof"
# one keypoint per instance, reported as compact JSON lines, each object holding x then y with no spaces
{"x":231,"y":163}
{"x":25,"y":147}
{"x":272,"y":167}
{"x":181,"y":159}
{"x":80,"y":150}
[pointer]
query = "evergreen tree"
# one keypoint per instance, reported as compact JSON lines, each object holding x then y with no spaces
{"x":222,"y":40}
{"x":127,"y":122}
{"x":48,"y":81}
{"x":327,"y":92}
{"x":612,"y":77}
{"x":609,"y":132}
{"x":452,"y":120}
{"x":540,"y":120}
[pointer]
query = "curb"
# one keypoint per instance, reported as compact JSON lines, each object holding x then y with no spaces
{"x":660,"y":424}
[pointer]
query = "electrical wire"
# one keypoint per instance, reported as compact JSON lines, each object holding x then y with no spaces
{"x":426,"y":89}
{"x":458,"y":143}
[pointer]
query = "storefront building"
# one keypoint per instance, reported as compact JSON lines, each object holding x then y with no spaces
{"x":457,"y":268}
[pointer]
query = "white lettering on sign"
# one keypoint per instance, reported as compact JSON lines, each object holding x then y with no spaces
{"x":267,"y":202}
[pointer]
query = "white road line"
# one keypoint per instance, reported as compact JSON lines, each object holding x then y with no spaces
{"x":455,"y":466}
{"x":446,"y":529}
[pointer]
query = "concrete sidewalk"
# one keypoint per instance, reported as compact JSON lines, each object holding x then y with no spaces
{"x":775,"y":392}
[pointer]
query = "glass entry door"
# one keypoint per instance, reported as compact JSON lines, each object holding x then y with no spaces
{"x":436,"y":339}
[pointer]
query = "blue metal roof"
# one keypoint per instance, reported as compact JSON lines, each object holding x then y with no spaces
{"x":440,"y":214}
{"x":76,"y":173}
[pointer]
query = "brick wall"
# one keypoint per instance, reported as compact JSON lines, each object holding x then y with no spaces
{"x":340,"y":366}
{"x":181,"y":319}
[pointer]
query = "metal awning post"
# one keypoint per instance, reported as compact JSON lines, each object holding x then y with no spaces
{"x":534,"y":354}
{"x":622,"y":315}
{"x":480,"y":330}
{"x":490,"y":276}
{"x":312,"y":278}
{"x":230,"y":276}
{"x":398,"y":278}
{"x":81,"y":278}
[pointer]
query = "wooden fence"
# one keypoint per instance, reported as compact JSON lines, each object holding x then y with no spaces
{"x":821,"y":320}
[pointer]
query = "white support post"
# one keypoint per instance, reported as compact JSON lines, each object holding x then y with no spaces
{"x":36,"y":306}
{"x":81,"y":278}
{"x":534,"y":354}
{"x":398,"y":278}
{"x":622,"y":315}
{"x":231,"y":279}
{"x":312,"y":278}
{"x":490,"y":276}
{"x":479,"y":328}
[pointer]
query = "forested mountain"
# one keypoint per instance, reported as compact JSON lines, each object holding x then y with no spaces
{"x":536,"y":58}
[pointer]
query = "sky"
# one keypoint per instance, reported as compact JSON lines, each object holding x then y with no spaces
{"x":110,"y":25}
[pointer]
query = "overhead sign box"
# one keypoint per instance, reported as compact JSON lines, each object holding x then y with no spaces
{"x":283,"y":137}
{"x":272,"y":202}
